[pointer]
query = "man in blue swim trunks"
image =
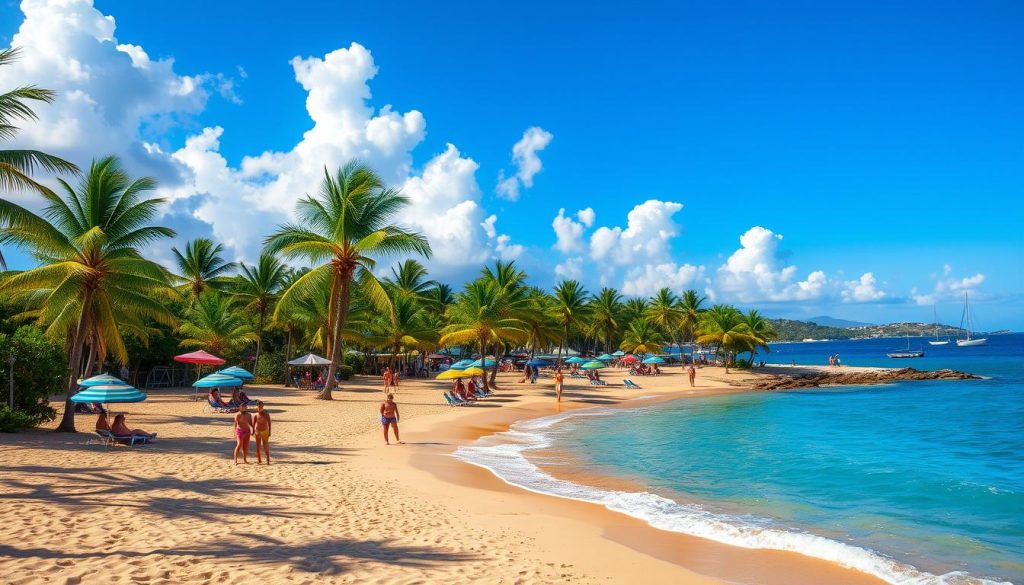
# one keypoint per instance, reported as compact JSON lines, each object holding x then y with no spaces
{"x":389,"y":418}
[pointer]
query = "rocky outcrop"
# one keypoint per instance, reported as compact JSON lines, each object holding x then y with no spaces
{"x":839,"y":378}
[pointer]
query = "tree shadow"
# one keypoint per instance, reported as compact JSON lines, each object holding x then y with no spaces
{"x":331,"y":556}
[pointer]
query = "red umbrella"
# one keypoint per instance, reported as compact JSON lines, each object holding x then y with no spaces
{"x":629,"y":359}
{"x":199,"y":358}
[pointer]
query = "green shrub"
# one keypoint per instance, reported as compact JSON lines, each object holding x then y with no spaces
{"x":345,"y":371}
{"x":356,"y":362}
{"x":271,"y":369}
{"x":14,"y":420}
{"x":40,"y":371}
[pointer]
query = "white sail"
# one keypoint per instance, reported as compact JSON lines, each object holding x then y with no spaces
{"x":935,"y":319}
{"x":968,"y":341}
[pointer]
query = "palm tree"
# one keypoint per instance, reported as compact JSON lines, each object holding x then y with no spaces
{"x":642,"y":336}
{"x":691,"y":307}
{"x":405,"y":327}
{"x":484,"y":314}
{"x":92,"y":281}
{"x":438,"y":298}
{"x":723,"y":326}
{"x":571,"y":309}
{"x":215,"y":325}
{"x":410,"y":278}
{"x":340,"y":230}
{"x":633,"y":309}
{"x":664,"y":312}
{"x":761,"y":331}
{"x":258,"y":287}
{"x":17,"y":166}
{"x":606,"y":316}
{"x":201,"y":266}
{"x":539,"y":321}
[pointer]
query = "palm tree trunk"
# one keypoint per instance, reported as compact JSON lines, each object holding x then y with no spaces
{"x":483,"y":360}
{"x":87,"y":370}
{"x":259,"y":341}
{"x":340,"y":304}
{"x":287,"y":356}
{"x":67,"y":421}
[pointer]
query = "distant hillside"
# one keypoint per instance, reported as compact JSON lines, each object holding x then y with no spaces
{"x":790,"y":330}
{"x":826,"y":321}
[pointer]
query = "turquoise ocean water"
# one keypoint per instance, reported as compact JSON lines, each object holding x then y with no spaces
{"x":917,"y":482}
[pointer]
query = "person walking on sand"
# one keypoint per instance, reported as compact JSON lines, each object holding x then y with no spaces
{"x":243,"y":431}
{"x":387,"y":379}
{"x":395,"y":377}
{"x":558,"y":384}
{"x":691,"y":372}
{"x":389,"y":418}
{"x":261,"y":429}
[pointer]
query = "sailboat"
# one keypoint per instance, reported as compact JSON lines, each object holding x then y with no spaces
{"x":935,"y":316}
{"x":906,"y":353}
{"x":968,"y":341}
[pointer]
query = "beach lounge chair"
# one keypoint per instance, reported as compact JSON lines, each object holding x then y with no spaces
{"x":451,"y":400}
{"x":110,"y":439}
{"x":632,"y":385}
{"x":213,"y":406}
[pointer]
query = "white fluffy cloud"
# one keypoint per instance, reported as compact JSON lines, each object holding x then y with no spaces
{"x":115,"y":99}
{"x":569,"y":233}
{"x":649,"y":228}
{"x":526,"y":161}
{"x":753,"y":273}
{"x":645,"y":280}
{"x":863,"y":290}
{"x":571,"y":268}
{"x":947,"y":287}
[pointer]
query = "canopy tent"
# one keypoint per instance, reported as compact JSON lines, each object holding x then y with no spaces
{"x":238,"y":372}
{"x":594,"y":365}
{"x":654,"y":360}
{"x":103,"y":380}
{"x":310,"y":359}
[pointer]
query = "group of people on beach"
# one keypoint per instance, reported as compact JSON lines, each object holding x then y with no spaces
{"x":248,"y":425}
{"x":833,"y":360}
{"x":120,"y":427}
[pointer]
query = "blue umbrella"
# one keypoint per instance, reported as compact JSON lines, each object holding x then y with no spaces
{"x":538,"y":362}
{"x":575,"y":360}
{"x":619,"y":353}
{"x":460,"y":365}
{"x":488,"y":363}
{"x":594,"y":365}
{"x":109,"y":393}
{"x":217,"y":381}
{"x":101,"y":380}
{"x":237,"y":372}
{"x":654,"y":360}
{"x":606,"y":357}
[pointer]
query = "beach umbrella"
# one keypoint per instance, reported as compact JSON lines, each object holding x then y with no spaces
{"x":487,"y":363}
{"x":310,"y":359}
{"x":473,"y":371}
{"x":450,"y":374}
{"x":619,"y":353}
{"x":437,"y":356}
{"x":102,"y":380}
{"x":538,"y":363}
{"x":629,"y":359}
{"x":460,"y":365}
{"x":654,"y":360}
{"x":109,"y":393}
{"x":594,"y":365}
{"x":605,"y":357}
{"x":199,"y":358}
{"x":237,"y":372}
{"x":575,"y":360}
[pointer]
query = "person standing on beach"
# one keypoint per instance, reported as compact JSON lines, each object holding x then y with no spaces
{"x":691,"y":372}
{"x":395,"y":377}
{"x":558,"y":384}
{"x":839,"y":364}
{"x":389,"y":418}
{"x":243,"y":431}
{"x":261,"y":429}
{"x":387,"y":379}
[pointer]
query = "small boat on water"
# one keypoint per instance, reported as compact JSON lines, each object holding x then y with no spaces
{"x":937,"y":341}
{"x":906,"y":353}
{"x":969,"y":341}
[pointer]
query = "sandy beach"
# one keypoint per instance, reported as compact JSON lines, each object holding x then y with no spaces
{"x":337,"y":505}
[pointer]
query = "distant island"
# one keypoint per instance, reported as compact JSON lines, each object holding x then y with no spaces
{"x":792,"y":330}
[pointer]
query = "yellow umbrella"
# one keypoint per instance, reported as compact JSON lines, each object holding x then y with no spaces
{"x":450,"y":375}
{"x":473,"y":372}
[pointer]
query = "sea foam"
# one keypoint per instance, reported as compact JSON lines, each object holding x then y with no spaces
{"x":504,"y":454}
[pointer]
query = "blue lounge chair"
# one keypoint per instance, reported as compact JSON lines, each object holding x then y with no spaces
{"x":451,"y":400}
{"x":217,"y":407}
{"x":632,"y":385}
{"x":110,"y":439}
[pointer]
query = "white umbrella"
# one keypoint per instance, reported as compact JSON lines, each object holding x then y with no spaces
{"x":310,"y":359}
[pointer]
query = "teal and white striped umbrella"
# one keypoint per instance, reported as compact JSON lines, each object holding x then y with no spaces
{"x":237,"y":372}
{"x":217,"y":381}
{"x":488,"y":363}
{"x":103,"y":380}
{"x":109,"y":393}
{"x":654,"y":360}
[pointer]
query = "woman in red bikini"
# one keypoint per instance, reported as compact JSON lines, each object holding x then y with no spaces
{"x":243,"y":432}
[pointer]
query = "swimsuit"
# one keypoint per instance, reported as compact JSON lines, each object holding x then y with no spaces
{"x":386,"y":420}
{"x":242,"y":433}
{"x":264,"y":434}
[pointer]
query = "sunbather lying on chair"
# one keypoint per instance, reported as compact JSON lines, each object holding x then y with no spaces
{"x":120,"y":429}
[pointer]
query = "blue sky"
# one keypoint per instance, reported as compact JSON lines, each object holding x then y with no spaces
{"x":874,"y":138}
